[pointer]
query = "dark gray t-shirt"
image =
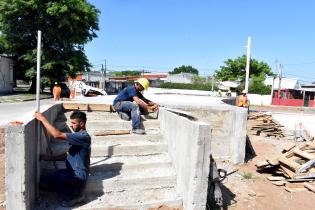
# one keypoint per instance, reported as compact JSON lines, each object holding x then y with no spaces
{"x":78,"y":158}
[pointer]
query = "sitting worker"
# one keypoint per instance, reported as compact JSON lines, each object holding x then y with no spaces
{"x":130,"y":103}
{"x":242,"y":100}
{"x":69,"y":183}
{"x":56,"y":91}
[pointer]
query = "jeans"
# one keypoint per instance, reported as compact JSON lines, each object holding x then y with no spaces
{"x":132,"y":109}
{"x":64,"y":183}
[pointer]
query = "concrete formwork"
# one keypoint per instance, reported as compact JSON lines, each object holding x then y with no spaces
{"x":21,"y":169}
{"x":229,"y":130}
{"x":189,"y":148}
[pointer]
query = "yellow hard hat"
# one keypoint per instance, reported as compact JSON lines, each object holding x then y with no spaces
{"x":143,"y":82}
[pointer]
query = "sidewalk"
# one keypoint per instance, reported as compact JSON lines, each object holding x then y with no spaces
{"x":19,"y":97}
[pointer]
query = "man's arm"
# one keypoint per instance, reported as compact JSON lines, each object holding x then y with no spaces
{"x":50,"y":128}
{"x":140,"y":102}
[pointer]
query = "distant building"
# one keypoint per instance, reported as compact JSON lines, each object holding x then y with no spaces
{"x":6,"y":74}
{"x":226,"y":85}
{"x":180,"y":78}
{"x":291,"y":92}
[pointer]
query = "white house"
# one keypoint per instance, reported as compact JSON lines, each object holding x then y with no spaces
{"x":6,"y":74}
{"x":286,"y":83}
{"x":180,"y":78}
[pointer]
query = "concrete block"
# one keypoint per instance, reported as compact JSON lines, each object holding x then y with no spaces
{"x":189,"y":148}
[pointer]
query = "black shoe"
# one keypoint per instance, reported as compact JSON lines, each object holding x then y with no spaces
{"x":73,"y":202}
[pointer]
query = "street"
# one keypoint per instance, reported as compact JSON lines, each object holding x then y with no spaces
{"x":11,"y":111}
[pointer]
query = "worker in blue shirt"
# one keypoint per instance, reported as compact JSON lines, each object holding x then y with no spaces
{"x":69,"y":183}
{"x":130,"y":103}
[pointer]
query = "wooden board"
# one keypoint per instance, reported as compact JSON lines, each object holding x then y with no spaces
{"x":88,"y":107}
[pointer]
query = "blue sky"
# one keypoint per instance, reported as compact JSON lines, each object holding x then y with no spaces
{"x":159,"y":35}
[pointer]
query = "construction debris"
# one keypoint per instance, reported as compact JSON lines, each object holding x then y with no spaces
{"x":296,"y":165}
{"x":268,"y":127}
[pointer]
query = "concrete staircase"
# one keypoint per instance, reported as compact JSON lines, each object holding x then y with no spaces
{"x":127,"y":171}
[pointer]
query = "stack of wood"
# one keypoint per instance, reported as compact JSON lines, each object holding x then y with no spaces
{"x":295,"y":168}
{"x":266,"y":125}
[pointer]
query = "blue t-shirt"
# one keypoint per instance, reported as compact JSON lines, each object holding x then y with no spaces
{"x":127,"y":94}
{"x":78,"y":158}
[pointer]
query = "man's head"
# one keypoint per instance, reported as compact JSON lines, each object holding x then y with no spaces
{"x":142,"y":84}
{"x":77,"y":120}
{"x":244,"y":92}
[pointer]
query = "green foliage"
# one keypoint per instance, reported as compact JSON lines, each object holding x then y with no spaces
{"x":235,"y":69}
{"x":194,"y":86}
{"x":66,"y":26}
{"x":184,"y":69}
{"x":127,"y":73}
{"x":257,"y":86}
{"x":248,"y":176}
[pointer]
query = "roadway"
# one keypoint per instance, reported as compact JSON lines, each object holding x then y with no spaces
{"x":13,"y":111}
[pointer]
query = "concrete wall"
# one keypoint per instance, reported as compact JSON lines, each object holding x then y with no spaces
{"x":261,"y":100}
{"x":6,"y":75}
{"x":228,"y":123}
{"x":189,"y":148}
{"x":2,"y":168}
{"x":21,"y":163}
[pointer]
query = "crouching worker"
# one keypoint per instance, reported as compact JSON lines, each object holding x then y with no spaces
{"x":69,"y":183}
{"x":130,"y":103}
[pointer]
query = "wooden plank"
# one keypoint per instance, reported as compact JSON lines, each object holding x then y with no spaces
{"x":101,"y":107}
{"x":111,"y":132}
{"x":287,"y":172}
{"x":303,"y":154}
{"x":292,"y":165}
{"x":88,"y":107}
{"x":309,"y":187}
{"x":75,"y":106}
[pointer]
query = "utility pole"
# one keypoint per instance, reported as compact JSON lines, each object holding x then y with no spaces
{"x":249,"y":40}
{"x":280,"y":77}
{"x":102,"y":77}
{"x":212,"y":83}
{"x":142,"y":71}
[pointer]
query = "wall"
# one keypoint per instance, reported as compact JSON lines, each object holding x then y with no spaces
{"x":261,"y":100}
{"x":180,"y":78}
{"x":6,"y":75}
{"x":2,"y":169}
{"x":21,"y":163}
{"x":228,"y":140}
{"x":189,"y":147}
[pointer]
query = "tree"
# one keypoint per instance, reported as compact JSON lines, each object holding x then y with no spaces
{"x":235,"y":69}
{"x":66,"y":26}
{"x":184,"y":69}
{"x":127,"y":73}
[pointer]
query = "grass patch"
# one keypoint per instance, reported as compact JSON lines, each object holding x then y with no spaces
{"x":248,"y":176}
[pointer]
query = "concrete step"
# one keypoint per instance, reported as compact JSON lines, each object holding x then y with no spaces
{"x":119,"y":125}
{"x":122,"y":200}
{"x":135,"y":147}
{"x":101,"y":164}
{"x":134,"y":199}
{"x":149,"y":136}
{"x":102,"y":116}
{"x":119,"y":179}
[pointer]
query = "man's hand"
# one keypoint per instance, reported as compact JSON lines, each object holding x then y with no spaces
{"x":153,"y":107}
{"x":39,"y":116}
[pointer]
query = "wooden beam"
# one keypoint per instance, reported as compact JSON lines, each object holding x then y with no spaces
{"x":88,"y":107}
{"x":111,"y":132}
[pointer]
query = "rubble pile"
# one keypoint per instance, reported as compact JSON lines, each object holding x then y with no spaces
{"x":294,"y":168}
{"x":266,"y":126}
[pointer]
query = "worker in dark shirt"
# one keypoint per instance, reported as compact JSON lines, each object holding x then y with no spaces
{"x":130,"y":103}
{"x":70,"y":182}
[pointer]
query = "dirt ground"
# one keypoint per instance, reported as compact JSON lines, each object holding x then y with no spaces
{"x":248,"y":189}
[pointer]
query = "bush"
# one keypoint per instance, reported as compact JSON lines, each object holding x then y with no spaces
{"x":170,"y":85}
